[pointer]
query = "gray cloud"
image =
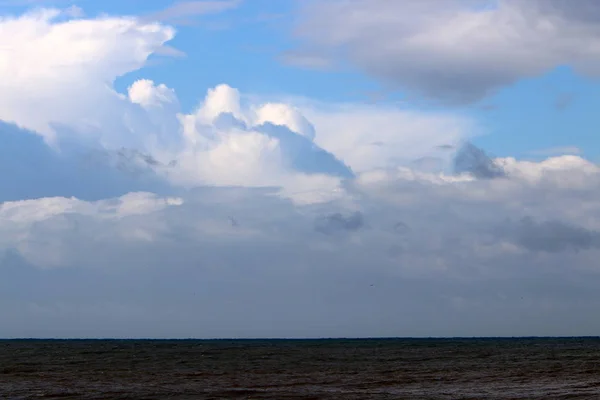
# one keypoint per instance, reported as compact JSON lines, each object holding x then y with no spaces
{"x":586,"y":10}
{"x":473,"y":160}
{"x":303,"y":154}
{"x":453,"y":51}
{"x":137,"y":266}
{"x":337,"y":222}
{"x":553,"y":236}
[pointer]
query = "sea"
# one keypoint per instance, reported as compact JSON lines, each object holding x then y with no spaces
{"x":494,"y":368}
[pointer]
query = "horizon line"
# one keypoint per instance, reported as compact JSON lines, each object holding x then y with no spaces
{"x":295,"y":338}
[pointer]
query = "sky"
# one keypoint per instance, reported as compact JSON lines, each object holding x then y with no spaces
{"x":299,"y":169}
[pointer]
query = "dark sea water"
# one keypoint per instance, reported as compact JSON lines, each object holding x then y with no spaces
{"x":311,"y":369}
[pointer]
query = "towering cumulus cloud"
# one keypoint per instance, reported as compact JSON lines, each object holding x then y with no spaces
{"x":122,"y":214}
{"x":49,"y":56}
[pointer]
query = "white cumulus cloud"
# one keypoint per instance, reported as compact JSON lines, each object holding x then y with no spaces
{"x":45,"y":57}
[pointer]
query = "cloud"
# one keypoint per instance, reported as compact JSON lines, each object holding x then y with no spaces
{"x":31,"y":169}
{"x":183,"y":10}
{"x":566,"y":171}
{"x":561,"y":150}
{"x":51,"y":55}
{"x":337,"y":222}
{"x":45,"y":244}
{"x":553,"y":236}
{"x":31,"y":2}
{"x":228,"y":142}
{"x":455,"y":51}
{"x":146,"y":94}
{"x":308,"y":60}
{"x":473,"y":160}
{"x":230,"y":138}
{"x":368,"y":137}
{"x":440,"y":248}
{"x":237,"y":139}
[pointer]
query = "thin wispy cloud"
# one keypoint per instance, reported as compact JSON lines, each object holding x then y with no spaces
{"x":554,"y":151}
{"x":37,"y":2}
{"x":186,"y":11}
{"x":307,"y":60}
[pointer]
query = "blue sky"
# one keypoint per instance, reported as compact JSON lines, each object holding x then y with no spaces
{"x":242,"y":47}
{"x":552,"y":111}
{"x":255,"y":168}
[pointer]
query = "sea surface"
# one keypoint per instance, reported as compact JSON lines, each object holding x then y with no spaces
{"x":567,"y":368}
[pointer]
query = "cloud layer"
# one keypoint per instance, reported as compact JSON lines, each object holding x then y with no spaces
{"x":401,"y":254}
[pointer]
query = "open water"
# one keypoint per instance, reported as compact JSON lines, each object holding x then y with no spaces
{"x":566,"y":368}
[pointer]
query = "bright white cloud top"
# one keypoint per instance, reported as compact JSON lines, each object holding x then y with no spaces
{"x":272,"y":217}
